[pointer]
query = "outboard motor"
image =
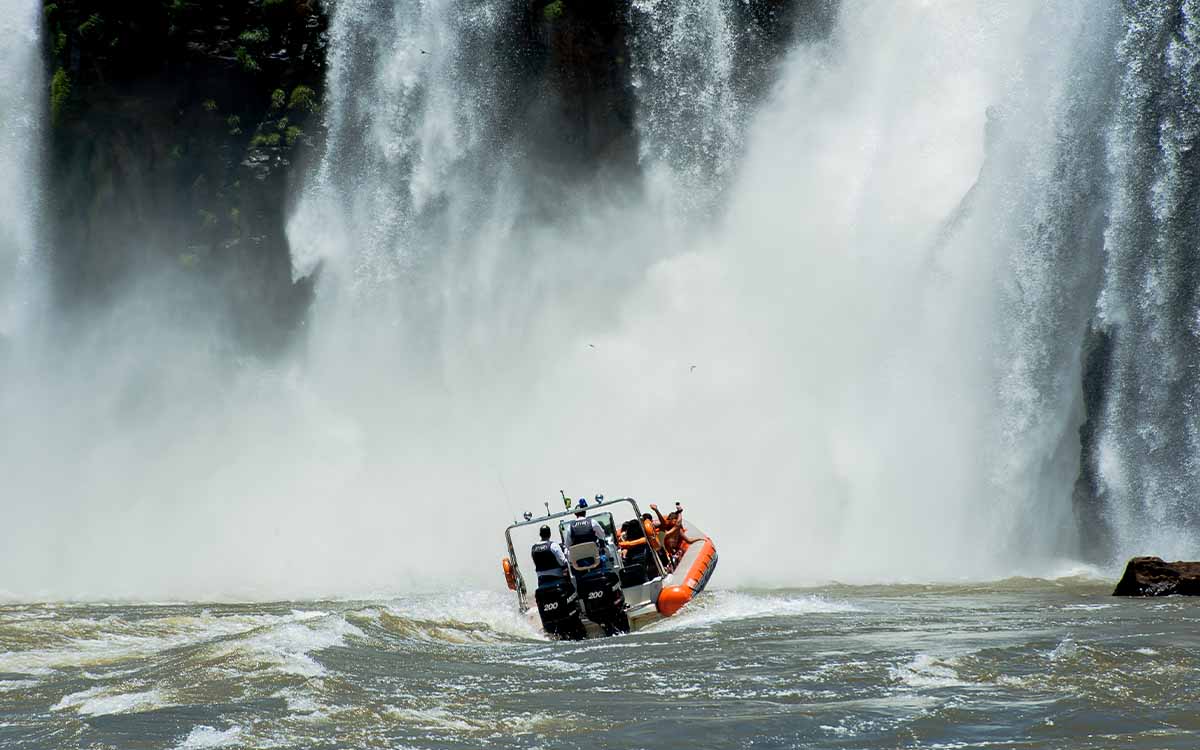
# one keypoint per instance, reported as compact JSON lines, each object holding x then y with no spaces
{"x":557,"y":601}
{"x":603,"y":600}
{"x":558,"y":606}
{"x":599,"y":585}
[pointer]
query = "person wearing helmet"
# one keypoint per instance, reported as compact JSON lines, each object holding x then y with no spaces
{"x":584,"y":529}
{"x":548,"y":559}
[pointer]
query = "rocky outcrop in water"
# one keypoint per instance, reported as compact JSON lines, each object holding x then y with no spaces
{"x":1151,"y":576}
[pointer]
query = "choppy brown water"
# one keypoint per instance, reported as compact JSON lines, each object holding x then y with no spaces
{"x":1024,"y":664}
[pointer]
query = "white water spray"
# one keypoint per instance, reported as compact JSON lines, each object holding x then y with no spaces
{"x":842,"y":412}
{"x":850,"y":375}
{"x":20,"y":113}
{"x":691,"y":119}
{"x":1149,"y":443}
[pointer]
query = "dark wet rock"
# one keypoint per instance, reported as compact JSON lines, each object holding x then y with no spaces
{"x":1088,"y":497}
{"x":177,"y":133}
{"x":1151,"y":576}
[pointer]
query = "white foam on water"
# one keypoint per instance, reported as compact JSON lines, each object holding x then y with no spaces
{"x":302,"y":703}
{"x":555,"y":665}
{"x":287,"y":647}
{"x":528,"y":723}
{"x":101,"y":650}
{"x":7,"y":686}
{"x":102,"y":701}
{"x":497,"y":612}
{"x":1066,"y":570}
{"x":25,"y":615}
{"x":1145,"y":651}
{"x":442,"y":719}
{"x":839,"y":731}
{"x":723,"y":606}
{"x":204,"y":736}
{"x":109,"y":640}
{"x":435,"y":718}
{"x":926,"y":671}
{"x":1066,"y":649}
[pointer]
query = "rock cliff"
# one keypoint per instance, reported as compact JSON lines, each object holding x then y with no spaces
{"x":176,"y":128}
{"x":180,"y":130}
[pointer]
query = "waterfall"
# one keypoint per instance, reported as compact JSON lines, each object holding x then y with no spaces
{"x":20,"y":112}
{"x":412,"y":113}
{"x":1147,"y":451}
{"x":869,"y":321}
{"x":690,"y":115}
{"x":911,"y":223}
{"x":1034,"y":209}
{"x":878,"y":337}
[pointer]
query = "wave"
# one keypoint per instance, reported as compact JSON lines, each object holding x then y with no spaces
{"x":287,"y":647}
{"x":723,"y":606}
{"x":925,"y":671}
{"x":461,"y":617}
{"x":106,"y":701}
{"x":81,"y":642}
{"x":204,"y":736}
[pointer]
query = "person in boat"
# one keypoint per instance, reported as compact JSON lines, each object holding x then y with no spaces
{"x":638,"y":539}
{"x":662,"y":525}
{"x":584,"y":529}
{"x":575,"y":531}
{"x":660,"y":529}
{"x":549,"y":559}
{"x":631,"y":537}
{"x":651,"y":529}
{"x":636,"y":553}
{"x":674,"y":537}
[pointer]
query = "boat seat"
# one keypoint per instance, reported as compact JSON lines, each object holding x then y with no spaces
{"x":633,"y":574}
{"x":584,"y":556}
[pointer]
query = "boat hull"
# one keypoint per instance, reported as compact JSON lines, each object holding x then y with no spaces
{"x":664,"y":597}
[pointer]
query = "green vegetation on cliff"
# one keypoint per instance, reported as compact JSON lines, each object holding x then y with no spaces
{"x":177,"y":127}
{"x":553,"y":11}
{"x":180,"y":127}
{"x":60,"y":94}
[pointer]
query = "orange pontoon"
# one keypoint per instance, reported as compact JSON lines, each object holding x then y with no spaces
{"x":606,"y":589}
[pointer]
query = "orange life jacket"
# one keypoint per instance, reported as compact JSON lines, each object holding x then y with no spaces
{"x":651,"y":534}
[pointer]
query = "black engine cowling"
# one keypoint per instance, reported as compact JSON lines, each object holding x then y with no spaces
{"x":603,"y":601}
{"x":558,"y":606}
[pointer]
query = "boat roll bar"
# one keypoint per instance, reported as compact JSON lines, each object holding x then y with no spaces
{"x":531,"y":521}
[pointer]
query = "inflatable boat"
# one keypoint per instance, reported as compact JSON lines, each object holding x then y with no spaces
{"x":605,"y":568}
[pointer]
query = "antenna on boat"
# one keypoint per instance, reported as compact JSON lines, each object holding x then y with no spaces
{"x":566,"y":500}
{"x":547,"y":504}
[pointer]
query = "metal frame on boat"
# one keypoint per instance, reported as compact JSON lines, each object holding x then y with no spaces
{"x":644,"y":597}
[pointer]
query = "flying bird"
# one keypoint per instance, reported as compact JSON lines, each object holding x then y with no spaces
{"x":423,"y":52}
{"x":693,"y":369}
{"x":592,"y":345}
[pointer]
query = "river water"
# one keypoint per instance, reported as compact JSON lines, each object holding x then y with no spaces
{"x":1020,"y":663}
